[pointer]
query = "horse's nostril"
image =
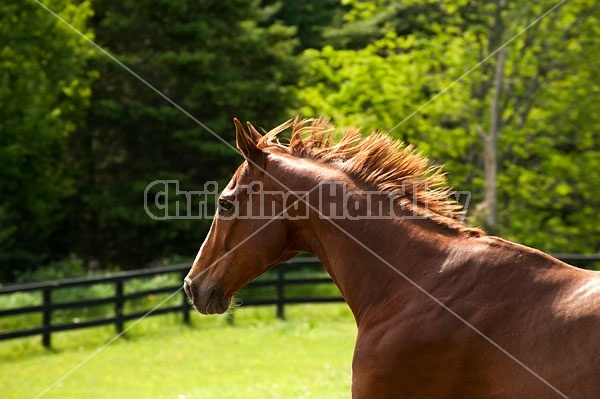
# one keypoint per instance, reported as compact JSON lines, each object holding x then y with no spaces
{"x":188,"y":290}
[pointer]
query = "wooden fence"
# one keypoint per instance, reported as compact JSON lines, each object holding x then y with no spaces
{"x":118,"y":300}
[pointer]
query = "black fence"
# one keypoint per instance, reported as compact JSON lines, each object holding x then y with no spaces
{"x":277,"y":279}
{"x":584,"y":261}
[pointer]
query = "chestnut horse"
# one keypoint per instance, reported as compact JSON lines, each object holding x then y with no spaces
{"x":443,"y":311}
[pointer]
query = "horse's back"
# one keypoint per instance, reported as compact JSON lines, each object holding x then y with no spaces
{"x":556,"y":322}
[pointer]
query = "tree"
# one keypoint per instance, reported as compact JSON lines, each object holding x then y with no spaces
{"x":502,"y":127}
{"x":313,"y":19}
{"x":213,"y":58}
{"x":43,"y":88}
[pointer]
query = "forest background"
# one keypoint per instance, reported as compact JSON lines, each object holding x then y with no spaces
{"x":81,"y":137}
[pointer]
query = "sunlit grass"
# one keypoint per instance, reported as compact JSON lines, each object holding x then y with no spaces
{"x":308,"y":355}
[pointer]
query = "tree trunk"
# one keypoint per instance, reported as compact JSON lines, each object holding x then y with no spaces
{"x":490,"y":146}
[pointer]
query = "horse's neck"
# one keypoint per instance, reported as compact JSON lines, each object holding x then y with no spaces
{"x":366,"y":257}
{"x":370,"y":259}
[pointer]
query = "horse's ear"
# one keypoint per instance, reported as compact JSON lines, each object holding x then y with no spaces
{"x":246,"y":143}
{"x":255,"y":134}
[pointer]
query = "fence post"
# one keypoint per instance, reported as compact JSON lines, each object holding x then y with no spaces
{"x":280,"y":293}
{"x":47,"y":316}
{"x":119,"y":306}
{"x":185,"y":306}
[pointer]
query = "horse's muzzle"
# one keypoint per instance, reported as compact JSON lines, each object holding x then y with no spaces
{"x":206,"y":300}
{"x":188,"y":290}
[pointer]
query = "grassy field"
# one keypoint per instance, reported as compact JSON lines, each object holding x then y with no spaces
{"x":306,"y":356}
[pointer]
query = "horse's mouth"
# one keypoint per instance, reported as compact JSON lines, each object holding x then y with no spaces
{"x":217,"y":303}
{"x":211,"y":301}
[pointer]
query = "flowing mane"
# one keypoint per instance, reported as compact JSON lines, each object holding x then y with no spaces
{"x":385,"y":164}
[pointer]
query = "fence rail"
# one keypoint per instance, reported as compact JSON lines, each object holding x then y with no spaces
{"x":118,"y":300}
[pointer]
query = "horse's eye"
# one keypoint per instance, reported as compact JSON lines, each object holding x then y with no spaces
{"x":225,"y":206}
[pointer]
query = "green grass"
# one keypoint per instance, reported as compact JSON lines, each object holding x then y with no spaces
{"x":306,"y":356}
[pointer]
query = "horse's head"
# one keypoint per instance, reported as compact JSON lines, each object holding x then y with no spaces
{"x":245,"y":239}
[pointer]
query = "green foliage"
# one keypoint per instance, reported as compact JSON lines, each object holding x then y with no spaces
{"x":77,"y":157}
{"x":213,"y":58}
{"x":81,"y":138}
{"x":313,"y":19}
{"x":43,"y":90}
{"x":65,"y":268}
{"x":548,"y":152}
